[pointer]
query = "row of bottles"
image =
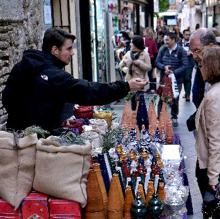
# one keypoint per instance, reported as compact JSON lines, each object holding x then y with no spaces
{"x":117,"y":205}
{"x":131,"y":183}
{"x":136,"y":119}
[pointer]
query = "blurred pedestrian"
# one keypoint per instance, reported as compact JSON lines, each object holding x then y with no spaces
{"x":136,"y":62}
{"x":160,"y":37}
{"x":208,"y":131}
{"x":151,"y":46}
{"x":125,"y":38}
{"x":188,"y":74}
{"x":199,"y":40}
{"x":197,"y":26}
{"x":172,"y":59}
{"x":215,"y":25}
{"x":179,"y":35}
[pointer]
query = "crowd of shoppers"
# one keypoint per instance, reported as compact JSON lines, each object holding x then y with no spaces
{"x":179,"y":54}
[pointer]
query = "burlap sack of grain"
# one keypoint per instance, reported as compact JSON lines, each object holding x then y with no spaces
{"x":17,"y":160}
{"x":61,"y":171}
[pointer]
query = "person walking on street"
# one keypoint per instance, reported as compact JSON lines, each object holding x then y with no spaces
{"x":172,"y":58}
{"x":39,"y":91}
{"x":136,"y":62}
{"x":188,"y":74}
{"x":151,"y":47}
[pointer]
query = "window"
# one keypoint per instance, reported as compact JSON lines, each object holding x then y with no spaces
{"x":61,"y":18}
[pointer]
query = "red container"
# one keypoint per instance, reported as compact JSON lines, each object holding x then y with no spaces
{"x":7,"y":211}
{"x":9,"y":216}
{"x":35,"y":205}
{"x":63,"y":216}
{"x":85,"y":112}
{"x":64,"y":209}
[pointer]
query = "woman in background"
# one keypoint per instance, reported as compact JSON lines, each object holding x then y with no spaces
{"x":151,"y":46}
{"x":208,"y":125}
{"x":136,"y":62}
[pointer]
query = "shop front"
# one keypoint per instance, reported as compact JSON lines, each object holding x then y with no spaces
{"x":99,"y":29}
{"x":99,"y":22}
{"x":62,"y":13}
{"x":217,"y":14}
{"x":94,"y":34}
{"x":213,"y":12}
{"x":135,"y":15}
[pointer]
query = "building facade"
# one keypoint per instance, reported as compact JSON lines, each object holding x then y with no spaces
{"x":21,"y":27}
{"x":212,"y":12}
{"x":100,"y":20}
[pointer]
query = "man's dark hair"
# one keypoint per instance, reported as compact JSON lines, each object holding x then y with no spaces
{"x":186,"y":30}
{"x":197,"y":26}
{"x":172,"y":35}
{"x":55,"y":37}
{"x":215,"y":24}
{"x":208,"y":38}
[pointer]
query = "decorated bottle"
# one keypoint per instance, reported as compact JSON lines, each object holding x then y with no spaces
{"x":169,"y":133}
{"x":115,"y":199}
{"x":97,"y":170}
{"x":128,"y":203}
{"x":95,"y":206}
{"x":150,"y":191}
{"x":140,"y":190}
{"x":104,"y":172}
{"x":155,"y":207}
{"x":142,"y":115}
{"x":161,"y":191}
{"x":138,"y":210}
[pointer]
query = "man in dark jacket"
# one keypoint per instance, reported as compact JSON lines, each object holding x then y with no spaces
{"x":38,"y":90}
{"x":172,"y":58}
{"x":188,"y":74}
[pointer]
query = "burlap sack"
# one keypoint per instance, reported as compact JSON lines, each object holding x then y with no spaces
{"x":17,"y":160}
{"x":61,"y":171}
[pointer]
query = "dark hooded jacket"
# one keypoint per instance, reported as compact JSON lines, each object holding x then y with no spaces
{"x":38,"y":91}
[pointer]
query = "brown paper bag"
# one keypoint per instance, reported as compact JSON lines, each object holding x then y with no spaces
{"x":61,"y":171}
{"x":17,"y":160}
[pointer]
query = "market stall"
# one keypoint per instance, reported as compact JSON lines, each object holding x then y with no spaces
{"x":136,"y":169}
{"x":142,"y":168}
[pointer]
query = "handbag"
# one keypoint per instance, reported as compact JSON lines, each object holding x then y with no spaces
{"x":190,"y":122}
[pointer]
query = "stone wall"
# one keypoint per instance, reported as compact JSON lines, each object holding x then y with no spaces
{"x":21,"y":27}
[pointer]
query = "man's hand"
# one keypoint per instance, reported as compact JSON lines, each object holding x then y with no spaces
{"x":136,"y":84}
{"x":167,"y":69}
{"x":215,"y":187}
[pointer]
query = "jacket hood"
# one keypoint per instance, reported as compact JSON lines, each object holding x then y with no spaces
{"x":36,"y":60}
